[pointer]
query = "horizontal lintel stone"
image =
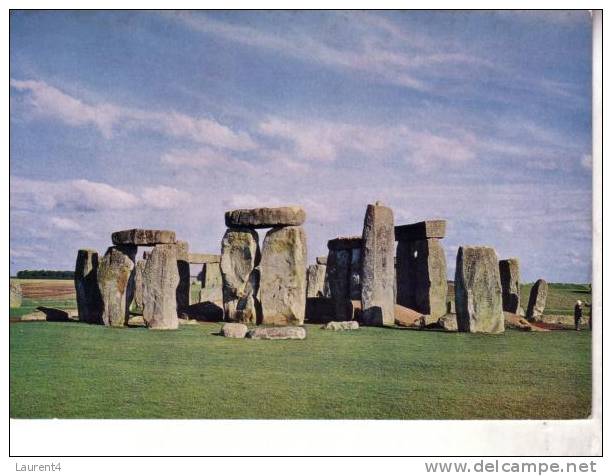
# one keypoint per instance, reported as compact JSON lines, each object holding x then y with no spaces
{"x":422,"y":230}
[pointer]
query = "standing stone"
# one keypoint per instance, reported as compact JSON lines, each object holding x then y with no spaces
{"x":15,"y":294}
{"x":355,"y":275}
{"x":116,"y":283}
{"x":478,"y":299}
{"x":315,"y":277}
{"x":239,"y":257}
{"x":265,"y":217}
{"x":377,"y":266}
{"x":421,"y":276}
{"x":338,"y":272}
{"x":183,"y":291}
{"x":283,"y":276}
{"x":510,"y":283}
{"x":139,"y":284}
{"x":89,"y":301}
{"x":322,"y":260}
{"x":537,"y":300}
{"x":161,"y":279}
{"x":212,"y":284}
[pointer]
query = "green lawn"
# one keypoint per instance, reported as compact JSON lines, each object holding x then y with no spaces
{"x":561,"y":297}
{"x":73,"y":370}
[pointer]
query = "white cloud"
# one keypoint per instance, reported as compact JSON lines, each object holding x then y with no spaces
{"x":163,"y":197}
{"x":63,"y":223}
{"x":47,"y":101}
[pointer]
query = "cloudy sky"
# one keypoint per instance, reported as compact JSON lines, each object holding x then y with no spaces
{"x":166,"y":120}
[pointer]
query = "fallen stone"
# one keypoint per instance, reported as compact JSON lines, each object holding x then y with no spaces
{"x":421,"y":276}
{"x":265,"y":217}
{"x":183,"y":290}
{"x":478,"y":290}
{"x":448,"y":322}
{"x":161,"y":279}
{"x":510,"y":282}
{"x":116,"y":283}
{"x":315,"y":277}
{"x":187,"y":322}
{"x":34,"y":316}
{"x":421,"y":231}
{"x":239,"y":257}
{"x":341,"y":326}
{"x":142,"y":237}
{"x":139,"y":285}
{"x":234,"y":330}
{"x":282,"y":287}
{"x":89,"y":301}
{"x":322,"y":260}
{"x":277,"y":333}
{"x":378,"y":270}
{"x":406,"y":317}
{"x":515,"y":321}
{"x":537,"y":300}
{"x":55,"y":315}
{"x":202,"y":258}
{"x":15,"y":296}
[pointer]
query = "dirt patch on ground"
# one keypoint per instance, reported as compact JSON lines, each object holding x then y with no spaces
{"x":47,"y":289}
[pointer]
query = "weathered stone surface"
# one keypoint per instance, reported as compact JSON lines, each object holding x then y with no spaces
{"x":537,"y":300}
{"x":421,"y":231}
{"x":341,"y":326}
{"x":183,"y":290}
{"x":378,"y":273}
{"x":406,"y":317}
{"x":161,"y":279}
{"x":344,"y":243}
{"x":448,"y":322}
{"x":140,"y":237}
{"x":315,"y":277}
{"x":355,"y":275}
{"x":203,"y":258}
{"x":277,"y":333}
{"x":212,"y":284}
{"x":146,"y":254}
{"x":234,"y":330}
{"x":15,"y":294}
{"x":421,"y":276}
{"x":478,"y":290}
{"x":139,"y":284}
{"x":34,"y":316}
{"x":239,"y":257}
{"x":338,"y":271}
{"x":116,"y":283}
{"x":89,"y":301}
{"x":283,"y":276}
{"x":265,"y":217}
{"x":322,"y":260}
{"x":510,"y":282}
{"x":353,"y":310}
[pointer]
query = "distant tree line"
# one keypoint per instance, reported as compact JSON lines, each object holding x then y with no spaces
{"x":44,"y":274}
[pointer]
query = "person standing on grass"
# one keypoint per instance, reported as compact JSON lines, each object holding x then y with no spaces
{"x":577,"y":314}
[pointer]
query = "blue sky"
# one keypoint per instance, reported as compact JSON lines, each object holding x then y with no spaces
{"x":167,"y":119}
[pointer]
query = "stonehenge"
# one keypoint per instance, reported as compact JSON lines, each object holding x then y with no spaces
{"x":421,"y":267}
{"x":537,"y":300}
{"x":378,"y":266}
{"x":15,"y":295}
{"x":364,"y":280}
{"x":478,"y":297}
{"x":89,"y":301}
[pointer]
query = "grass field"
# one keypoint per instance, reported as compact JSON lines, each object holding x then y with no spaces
{"x":74,"y":370}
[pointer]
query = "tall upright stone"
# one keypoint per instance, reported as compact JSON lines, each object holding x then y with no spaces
{"x":239,"y":257}
{"x":355,"y":275}
{"x":183,"y":290}
{"x":116,"y":283}
{"x":212,"y":284}
{"x":511,"y":285}
{"x":161,"y":280}
{"x":478,"y":299}
{"x":537,"y":300}
{"x":15,"y":295}
{"x":139,"y":284}
{"x":89,"y":301}
{"x":377,"y":266}
{"x":283,"y":276}
{"x":315,"y":278}
{"x":338,"y":273}
{"x":421,"y":276}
